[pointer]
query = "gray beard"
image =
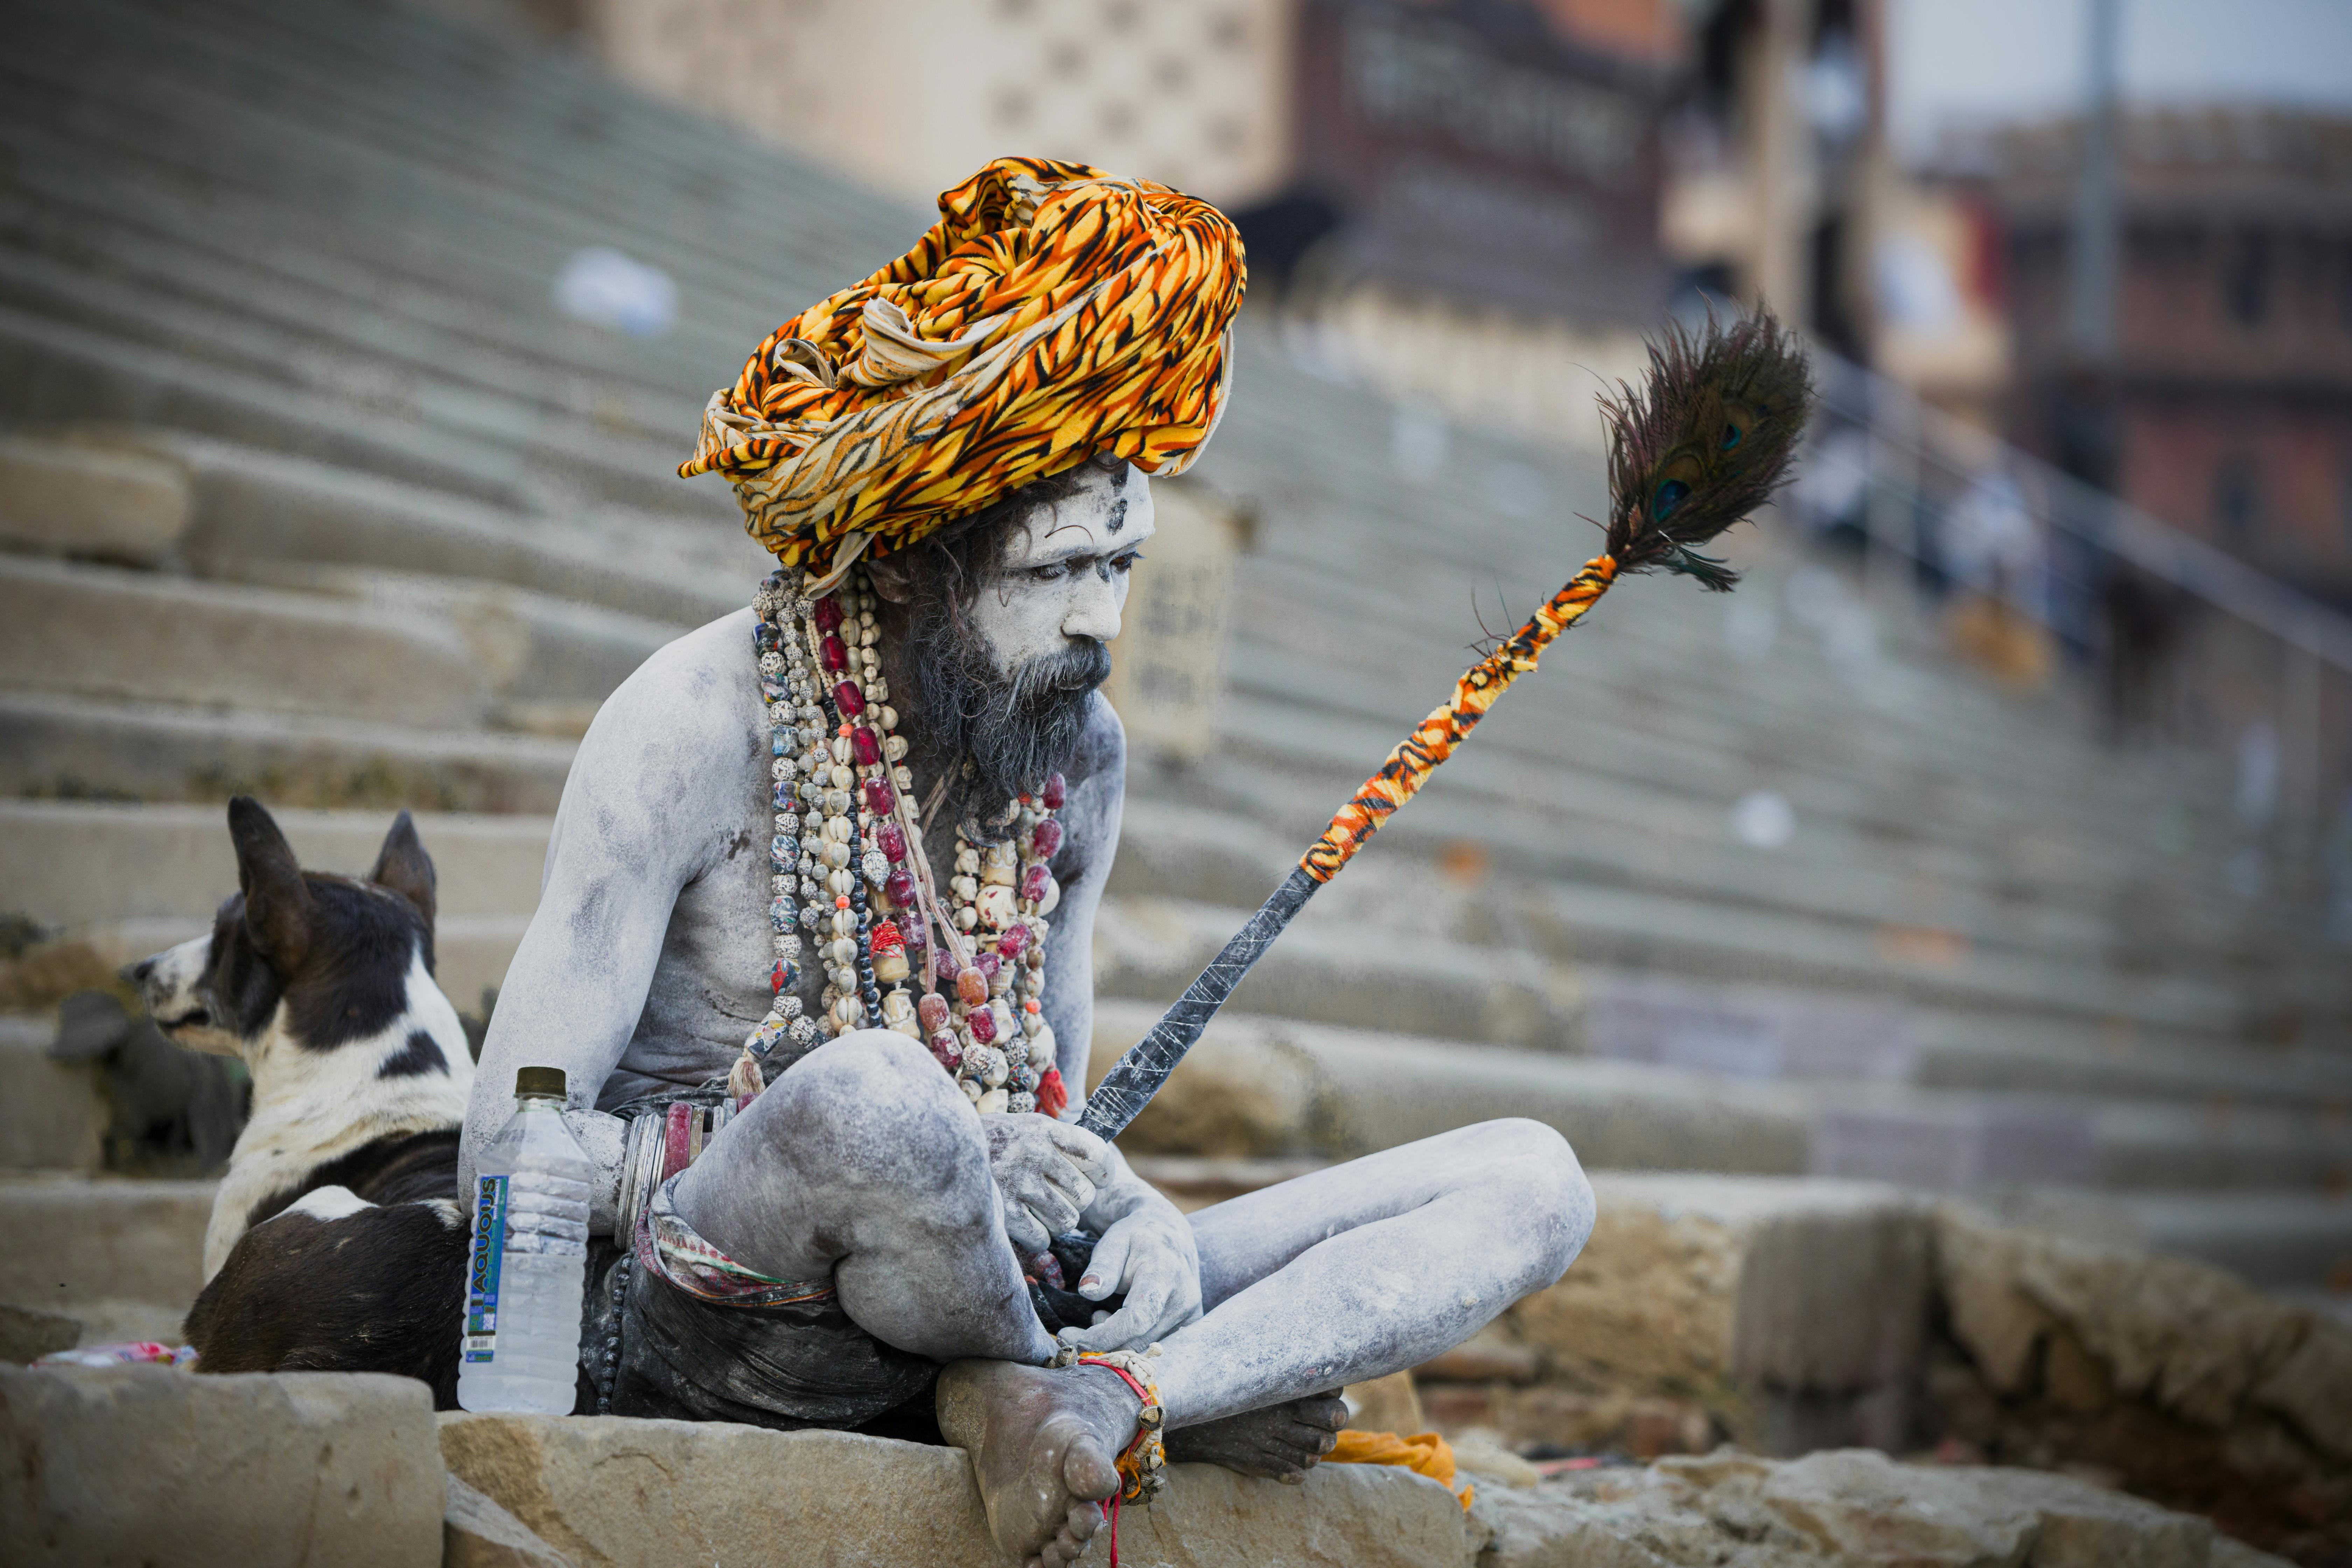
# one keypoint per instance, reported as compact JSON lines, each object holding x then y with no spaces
{"x":1013,"y":728}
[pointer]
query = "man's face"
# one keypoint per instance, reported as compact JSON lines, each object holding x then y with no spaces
{"x":1004,"y":672}
{"x":1064,"y":574}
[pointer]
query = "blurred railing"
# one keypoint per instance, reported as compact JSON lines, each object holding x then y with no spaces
{"x":2187,"y":643}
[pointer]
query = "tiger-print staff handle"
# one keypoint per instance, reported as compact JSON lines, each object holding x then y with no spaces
{"x":1705,"y":441}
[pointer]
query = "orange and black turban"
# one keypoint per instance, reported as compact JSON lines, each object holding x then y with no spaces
{"x":1053,"y":312}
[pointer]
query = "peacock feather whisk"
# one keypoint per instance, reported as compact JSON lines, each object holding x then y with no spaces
{"x":1703,"y":442}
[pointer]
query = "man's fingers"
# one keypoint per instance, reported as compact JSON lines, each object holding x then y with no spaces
{"x":1086,"y":1151}
{"x":1107,"y":1272}
{"x":1021,"y":1228}
{"x":1067,"y":1181}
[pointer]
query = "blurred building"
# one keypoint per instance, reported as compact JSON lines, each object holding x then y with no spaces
{"x":2231,"y":385}
{"x":913,"y":95}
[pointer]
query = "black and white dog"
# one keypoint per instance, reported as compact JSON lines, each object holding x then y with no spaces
{"x":336,"y":1242}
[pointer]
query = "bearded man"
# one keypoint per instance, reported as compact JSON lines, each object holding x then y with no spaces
{"x":813,"y":946}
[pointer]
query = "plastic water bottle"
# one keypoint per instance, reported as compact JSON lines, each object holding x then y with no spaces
{"x":528,"y":1267}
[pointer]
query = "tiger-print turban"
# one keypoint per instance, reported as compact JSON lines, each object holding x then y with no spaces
{"x":1053,"y":312}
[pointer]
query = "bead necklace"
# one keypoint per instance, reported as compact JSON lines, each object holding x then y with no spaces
{"x":861,"y":884}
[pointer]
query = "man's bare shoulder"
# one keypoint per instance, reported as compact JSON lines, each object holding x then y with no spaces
{"x":698,"y":691}
{"x":668,"y":753}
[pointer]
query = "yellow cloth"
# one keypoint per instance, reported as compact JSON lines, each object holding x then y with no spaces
{"x":1423,"y":1453}
{"x":1054,"y":310}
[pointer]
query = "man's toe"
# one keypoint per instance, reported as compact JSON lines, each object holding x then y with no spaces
{"x":1090,"y":1474}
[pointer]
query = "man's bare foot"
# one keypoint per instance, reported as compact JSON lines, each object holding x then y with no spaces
{"x":1279,"y":1443}
{"x":1045,"y":1447}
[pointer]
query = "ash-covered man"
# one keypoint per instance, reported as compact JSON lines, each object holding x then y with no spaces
{"x":868,"y":823}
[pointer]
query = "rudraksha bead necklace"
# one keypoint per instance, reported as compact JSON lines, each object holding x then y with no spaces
{"x":861,"y":884}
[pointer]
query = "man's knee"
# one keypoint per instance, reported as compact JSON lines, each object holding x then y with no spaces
{"x":875,"y":1103}
{"x":1545,"y":1188}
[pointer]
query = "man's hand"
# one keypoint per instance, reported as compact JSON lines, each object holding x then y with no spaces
{"x":1149,"y":1254}
{"x":1047,"y":1170}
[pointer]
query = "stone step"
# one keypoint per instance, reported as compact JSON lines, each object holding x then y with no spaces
{"x":512,"y":124}
{"x":1586,"y":914}
{"x":57,"y":500}
{"x":619,"y":463}
{"x":53,"y":1115}
{"x":76,"y":748}
{"x":251,"y":505}
{"x":55,"y":374}
{"x":102,"y":632}
{"x":2301,"y":1239}
{"x":75,"y":1242}
{"x":551,"y":662}
{"x":69,"y":864}
{"x":151,"y":1465}
{"x":78,"y":863}
{"x":1265,"y":1087}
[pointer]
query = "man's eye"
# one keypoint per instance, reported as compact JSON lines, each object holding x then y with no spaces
{"x":1127,"y":562}
{"x":1046,"y":574}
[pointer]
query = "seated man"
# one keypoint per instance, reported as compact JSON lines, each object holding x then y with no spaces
{"x":867,"y":824}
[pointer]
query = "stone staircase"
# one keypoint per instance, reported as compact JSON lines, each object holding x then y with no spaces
{"x":308,"y":488}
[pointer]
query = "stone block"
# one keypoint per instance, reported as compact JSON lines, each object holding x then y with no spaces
{"x":95,"y":631}
{"x":27,"y":1334}
{"x":608,"y":1490}
{"x":1269,"y":1085}
{"x":60,"y":498}
{"x":2102,"y":1325}
{"x":53,"y":1114}
{"x":70,"y":864}
{"x":1846,"y":1509}
{"x":146,"y":1464}
{"x":1764,"y":1301}
{"x":476,"y":1532}
{"x":71,"y":1243}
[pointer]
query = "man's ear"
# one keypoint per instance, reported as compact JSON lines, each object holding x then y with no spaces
{"x":406,"y":868}
{"x":890,"y":579}
{"x":276,"y":902}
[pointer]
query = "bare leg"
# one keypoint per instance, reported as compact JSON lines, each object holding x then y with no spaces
{"x":1372,"y":1267}
{"x":864,"y":1161}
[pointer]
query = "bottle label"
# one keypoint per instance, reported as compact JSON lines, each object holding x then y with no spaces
{"x":482,"y":1268}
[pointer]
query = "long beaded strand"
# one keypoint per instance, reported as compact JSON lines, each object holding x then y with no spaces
{"x":835,"y":751}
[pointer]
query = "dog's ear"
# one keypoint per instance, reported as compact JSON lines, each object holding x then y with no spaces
{"x":276,"y":901}
{"x":405,"y":867}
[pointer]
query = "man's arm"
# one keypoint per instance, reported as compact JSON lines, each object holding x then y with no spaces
{"x":628,"y":835}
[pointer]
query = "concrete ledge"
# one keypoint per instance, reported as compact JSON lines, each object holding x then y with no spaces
{"x":145,"y":1465}
{"x":72,"y":1242}
{"x":53,"y":1115}
{"x":608,"y":1490}
{"x":68,"y":863}
{"x":80,"y":501}
{"x":1838,"y":1510}
{"x":65,"y":747}
{"x":97,"y":631}
{"x":1269,"y":1087}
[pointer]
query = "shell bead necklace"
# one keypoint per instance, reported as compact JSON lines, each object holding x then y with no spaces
{"x":964,"y":973}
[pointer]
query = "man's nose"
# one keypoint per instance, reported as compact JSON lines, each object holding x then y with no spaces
{"x":1094,"y":608}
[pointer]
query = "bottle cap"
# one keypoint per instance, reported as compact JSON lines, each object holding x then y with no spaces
{"x":540,"y":1080}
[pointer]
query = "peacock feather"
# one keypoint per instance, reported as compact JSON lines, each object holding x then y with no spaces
{"x":1703,"y":442}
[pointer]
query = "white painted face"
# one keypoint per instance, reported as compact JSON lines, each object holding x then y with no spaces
{"x":1064,"y":574}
